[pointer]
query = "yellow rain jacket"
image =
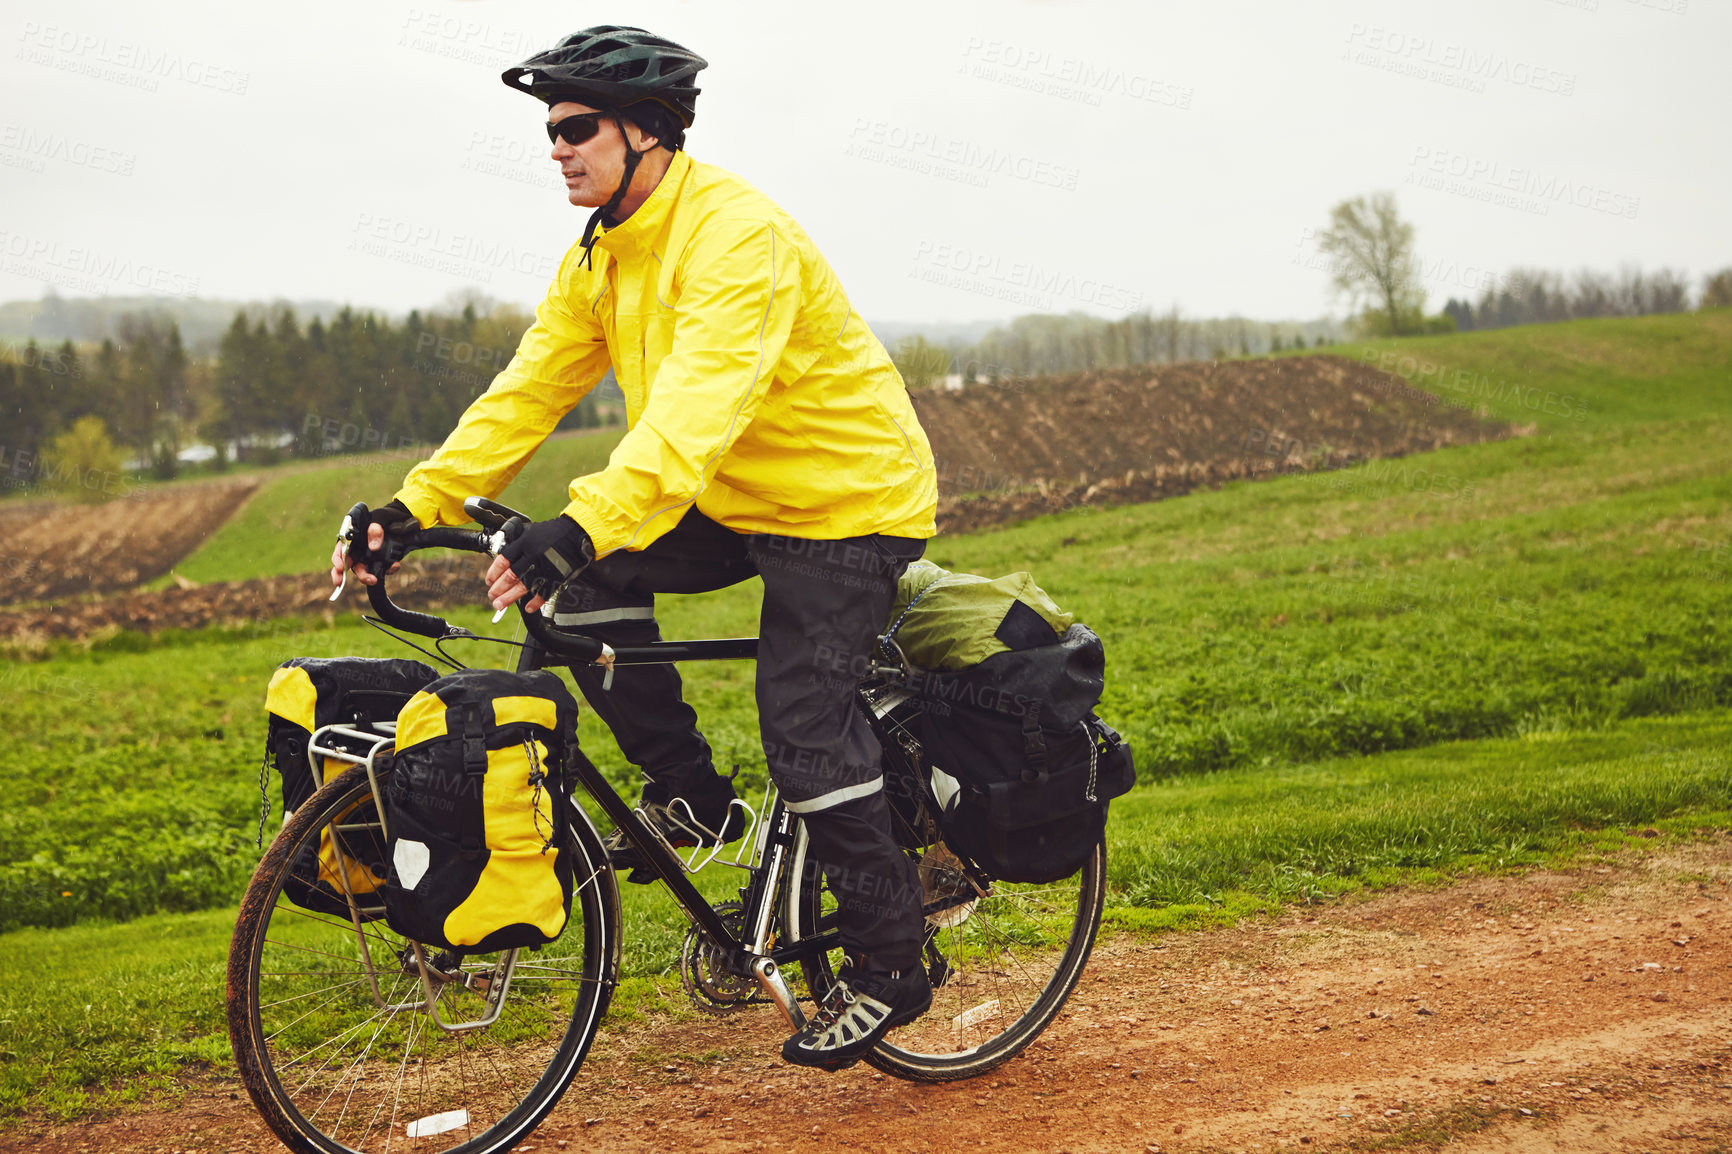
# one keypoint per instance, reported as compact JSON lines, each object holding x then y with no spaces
{"x":752,"y":389}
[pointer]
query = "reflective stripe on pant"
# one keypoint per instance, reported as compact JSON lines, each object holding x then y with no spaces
{"x":825,"y":603}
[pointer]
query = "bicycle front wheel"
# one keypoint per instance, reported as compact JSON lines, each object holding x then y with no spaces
{"x":347,"y":1042}
{"x":1001,"y":965}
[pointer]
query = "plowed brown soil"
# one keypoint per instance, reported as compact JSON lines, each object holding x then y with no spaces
{"x":56,"y":551}
{"x":1139,"y":434}
{"x":426,"y":582}
{"x":1003,"y":454}
{"x":1587,"y":1012}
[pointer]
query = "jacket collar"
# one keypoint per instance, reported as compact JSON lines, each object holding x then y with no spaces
{"x":639,"y":232}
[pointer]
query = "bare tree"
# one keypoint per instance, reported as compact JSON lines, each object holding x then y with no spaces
{"x":1371,"y":252}
{"x":1717,"y":290}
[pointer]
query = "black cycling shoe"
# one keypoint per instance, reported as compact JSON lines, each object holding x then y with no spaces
{"x":708,"y":820}
{"x":855,"y":1015}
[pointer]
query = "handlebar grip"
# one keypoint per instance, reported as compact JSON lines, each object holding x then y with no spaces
{"x":407,"y":620}
{"x":564,"y":645}
{"x":355,"y":520}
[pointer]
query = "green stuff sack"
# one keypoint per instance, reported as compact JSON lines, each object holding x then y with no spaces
{"x":1011,"y":757}
{"x":478,"y":812}
{"x":304,"y":695}
{"x":954,"y":621}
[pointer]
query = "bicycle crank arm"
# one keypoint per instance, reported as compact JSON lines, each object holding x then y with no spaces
{"x":769,"y":976}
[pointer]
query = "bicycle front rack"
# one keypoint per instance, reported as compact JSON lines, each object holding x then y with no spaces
{"x":494,"y":986}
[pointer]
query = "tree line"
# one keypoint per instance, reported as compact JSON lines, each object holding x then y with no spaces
{"x":1373,"y":263}
{"x":1370,"y":254}
{"x":135,"y":387}
{"x":273,"y":387}
{"x":359,"y":381}
{"x":1040,"y":344}
{"x":1539,"y":297}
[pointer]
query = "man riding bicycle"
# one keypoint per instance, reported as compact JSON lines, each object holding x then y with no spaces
{"x":768,"y":434}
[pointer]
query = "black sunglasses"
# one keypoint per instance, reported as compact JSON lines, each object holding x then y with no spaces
{"x":576,"y":129}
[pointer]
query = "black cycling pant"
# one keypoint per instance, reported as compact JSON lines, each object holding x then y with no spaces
{"x":825,"y":603}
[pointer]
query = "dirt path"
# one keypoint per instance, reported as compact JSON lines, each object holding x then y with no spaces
{"x":1587,"y":1012}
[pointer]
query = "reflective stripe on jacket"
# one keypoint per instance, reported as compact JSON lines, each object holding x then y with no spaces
{"x":751,"y":387}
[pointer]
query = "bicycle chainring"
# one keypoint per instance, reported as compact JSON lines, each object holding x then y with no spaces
{"x":711,"y":985}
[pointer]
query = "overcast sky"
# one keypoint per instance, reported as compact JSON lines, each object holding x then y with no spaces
{"x":956,"y":161}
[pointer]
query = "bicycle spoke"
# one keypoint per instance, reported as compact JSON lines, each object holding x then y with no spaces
{"x":310,"y":950}
{"x":337,"y":1036}
{"x":309,"y":1013}
{"x":1010,"y":958}
{"x":311,"y":993}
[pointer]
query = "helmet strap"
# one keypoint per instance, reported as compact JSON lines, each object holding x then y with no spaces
{"x":604,"y":214}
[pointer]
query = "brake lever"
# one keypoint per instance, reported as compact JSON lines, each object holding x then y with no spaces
{"x":489,"y":514}
{"x":500,"y":538}
{"x":346,"y":538}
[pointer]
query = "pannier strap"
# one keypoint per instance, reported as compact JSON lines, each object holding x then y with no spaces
{"x":890,"y":633}
{"x":474,"y":741}
{"x":1033,"y":746}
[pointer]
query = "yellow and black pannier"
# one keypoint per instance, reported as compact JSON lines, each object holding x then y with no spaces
{"x":306,"y":694}
{"x":310,"y":692}
{"x":479,"y":812}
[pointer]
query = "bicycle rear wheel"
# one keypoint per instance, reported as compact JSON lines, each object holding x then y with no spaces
{"x":328,"y":1008}
{"x":1002,"y":964}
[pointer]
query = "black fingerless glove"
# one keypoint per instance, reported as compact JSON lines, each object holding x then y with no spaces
{"x":394,"y":516}
{"x":547,"y":554}
{"x":396,"y":519}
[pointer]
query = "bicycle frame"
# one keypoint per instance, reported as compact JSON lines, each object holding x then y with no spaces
{"x":1005,"y":967}
{"x":749,"y":955}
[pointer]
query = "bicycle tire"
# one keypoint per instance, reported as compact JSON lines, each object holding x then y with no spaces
{"x":992,"y":1012}
{"x":385,"y":1073}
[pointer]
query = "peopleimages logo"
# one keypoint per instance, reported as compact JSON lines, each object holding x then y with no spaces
{"x":121,"y":61}
{"x":471,"y":41}
{"x":935,"y":154}
{"x":1066,"y":77}
{"x":1020,"y":282}
{"x":1473,"y":387}
{"x":1449,"y":171}
{"x":1457,"y":65}
{"x":1437,"y":269}
{"x":87,"y":269}
{"x":460,"y":254}
{"x":39,"y":147}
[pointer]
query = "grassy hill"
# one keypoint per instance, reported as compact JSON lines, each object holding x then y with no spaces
{"x":1622,"y":370}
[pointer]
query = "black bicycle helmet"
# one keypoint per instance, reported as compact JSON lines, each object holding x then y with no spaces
{"x":613,"y":67}
{"x":625,"y":72}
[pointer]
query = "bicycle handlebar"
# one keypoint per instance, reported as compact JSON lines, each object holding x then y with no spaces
{"x":505,"y":524}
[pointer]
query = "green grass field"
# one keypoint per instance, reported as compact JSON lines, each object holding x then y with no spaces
{"x":1331,"y":681}
{"x":1620,"y":370}
{"x":288,"y":525}
{"x":1192,"y":851}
